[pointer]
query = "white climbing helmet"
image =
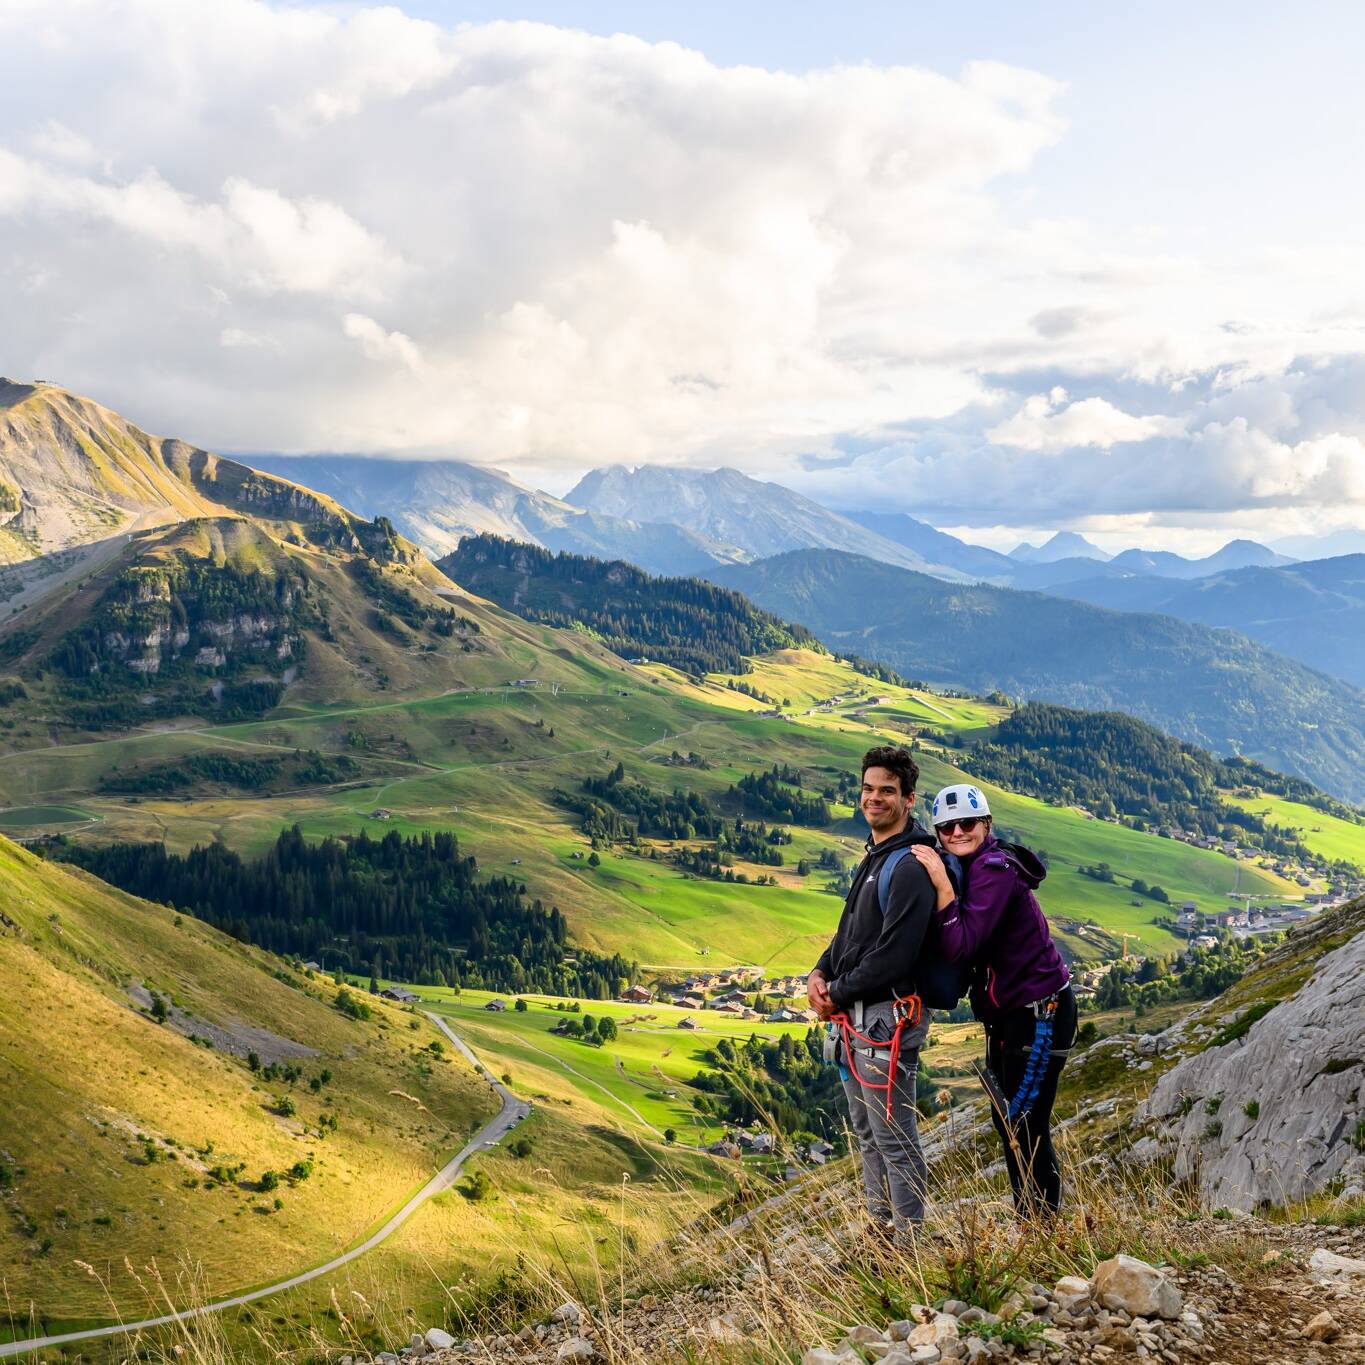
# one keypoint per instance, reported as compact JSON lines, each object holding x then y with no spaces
{"x":958,"y":802}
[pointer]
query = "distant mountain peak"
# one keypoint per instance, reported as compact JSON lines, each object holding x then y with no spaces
{"x":729,"y":506}
{"x":1063,"y":545}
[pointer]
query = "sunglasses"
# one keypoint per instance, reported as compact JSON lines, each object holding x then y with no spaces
{"x":966,"y":825}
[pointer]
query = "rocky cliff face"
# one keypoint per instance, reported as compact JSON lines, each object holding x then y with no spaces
{"x":1273,"y":1108}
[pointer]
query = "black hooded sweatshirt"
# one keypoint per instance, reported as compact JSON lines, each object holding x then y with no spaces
{"x":872,"y":955}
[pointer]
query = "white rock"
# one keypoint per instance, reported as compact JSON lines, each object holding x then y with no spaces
{"x":725,"y":1328}
{"x":576,"y":1348}
{"x":943,"y":1327}
{"x":1072,"y":1292}
{"x":1339,"y":1267}
{"x":818,"y":1355}
{"x":863,"y":1335}
{"x":1321,"y":1328}
{"x":567,"y":1312}
{"x":1133,"y":1286}
{"x":439,"y":1340}
{"x":926,"y":1355}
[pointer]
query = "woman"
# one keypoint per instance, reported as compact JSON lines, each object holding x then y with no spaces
{"x":1020,"y":990}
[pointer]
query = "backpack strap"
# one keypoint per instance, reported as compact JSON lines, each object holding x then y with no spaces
{"x":889,"y":865}
{"x":893,"y":861}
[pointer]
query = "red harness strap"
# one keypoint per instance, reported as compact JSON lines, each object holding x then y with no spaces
{"x":907,"y":1010}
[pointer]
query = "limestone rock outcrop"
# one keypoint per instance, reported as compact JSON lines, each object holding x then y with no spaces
{"x":1275,"y":1114}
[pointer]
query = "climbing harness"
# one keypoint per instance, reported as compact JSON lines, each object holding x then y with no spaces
{"x":907,"y":1011}
{"x":1040,"y":1054}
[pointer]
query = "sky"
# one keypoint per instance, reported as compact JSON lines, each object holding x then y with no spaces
{"x":1007,"y":268}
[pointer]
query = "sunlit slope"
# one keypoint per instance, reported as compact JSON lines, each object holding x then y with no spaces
{"x":113,"y":1123}
{"x":241,"y":606}
{"x":1325,"y":834}
{"x":73,"y":472}
{"x":488,"y":764}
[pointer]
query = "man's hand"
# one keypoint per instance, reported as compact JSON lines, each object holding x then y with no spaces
{"x":817,"y":994}
{"x":938,"y":874}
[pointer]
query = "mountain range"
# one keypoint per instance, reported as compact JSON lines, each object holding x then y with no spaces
{"x":1211,"y":687}
{"x":1313,"y":611}
{"x":438,"y":502}
{"x":213,"y":588}
{"x":672,"y":520}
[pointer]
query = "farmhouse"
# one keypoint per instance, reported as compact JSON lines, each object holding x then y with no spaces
{"x":496,"y":1004}
{"x":404,"y":997}
{"x":636,"y":995}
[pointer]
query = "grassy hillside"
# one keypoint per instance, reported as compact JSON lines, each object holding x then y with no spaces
{"x":127,"y":1137}
{"x":487,"y":764}
{"x":1214,"y":688}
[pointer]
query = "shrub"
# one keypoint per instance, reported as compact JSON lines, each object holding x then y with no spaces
{"x":477,"y":1187}
{"x":1252,"y":1109}
{"x":268,"y":1181}
{"x":520,"y":1006}
{"x":351,"y":1006}
{"x":1242,"y":1027}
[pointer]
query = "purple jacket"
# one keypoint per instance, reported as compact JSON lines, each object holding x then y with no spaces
{"x":996,"y":921}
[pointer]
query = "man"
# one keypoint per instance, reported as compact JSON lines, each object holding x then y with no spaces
{"x":868,"y":964}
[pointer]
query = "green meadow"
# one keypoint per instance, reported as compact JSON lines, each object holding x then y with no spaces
{"x":486,"y":763}
{"x":1326,"y":834}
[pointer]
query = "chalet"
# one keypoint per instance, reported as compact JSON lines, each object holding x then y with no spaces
{"x":729,"y":1007}
{"x":689,"y":1002}
{"x":763,"y":1143}
{"x":404,"y":997}
{"x":381,"y":814}
{"x":783,"y":1016}
{"x":636,"y":995}
{"x":312,"y":966}
{"x":820,"y":1152}
{"x":687,"y":1023}
{"x":496,"y":1004}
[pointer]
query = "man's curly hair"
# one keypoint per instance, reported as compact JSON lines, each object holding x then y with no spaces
{"x":895,"y":760}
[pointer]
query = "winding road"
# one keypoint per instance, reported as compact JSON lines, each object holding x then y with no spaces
{"x":512,"y":1112}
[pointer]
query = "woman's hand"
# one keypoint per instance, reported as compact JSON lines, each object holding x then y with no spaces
{"x":938,"y":874}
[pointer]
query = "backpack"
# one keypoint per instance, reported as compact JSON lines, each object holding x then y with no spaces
{"x":939,"y":983}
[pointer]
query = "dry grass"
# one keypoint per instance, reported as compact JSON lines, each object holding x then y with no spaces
{"x":781,"y":1267}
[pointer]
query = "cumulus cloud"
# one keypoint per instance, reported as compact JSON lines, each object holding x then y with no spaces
{"x":532,"y":246}
{"x":1047,"y":422}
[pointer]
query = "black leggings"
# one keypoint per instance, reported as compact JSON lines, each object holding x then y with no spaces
{"x":1035,"y":1175}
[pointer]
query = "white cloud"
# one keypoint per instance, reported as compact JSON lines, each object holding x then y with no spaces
{"x":533,"y":246}
{"x":379,"y":344}
{"x":1046,"y":422}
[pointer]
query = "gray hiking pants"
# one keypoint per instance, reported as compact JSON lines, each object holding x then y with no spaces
{"x":895,"y":1177}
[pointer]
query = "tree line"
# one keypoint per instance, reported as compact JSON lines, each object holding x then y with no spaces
{"x":1123,"y":769}
{"x":687,"y":623}
{"x":412,"y":909}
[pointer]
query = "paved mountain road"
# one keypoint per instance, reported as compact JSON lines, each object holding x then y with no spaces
{"x":512,"y":1112}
